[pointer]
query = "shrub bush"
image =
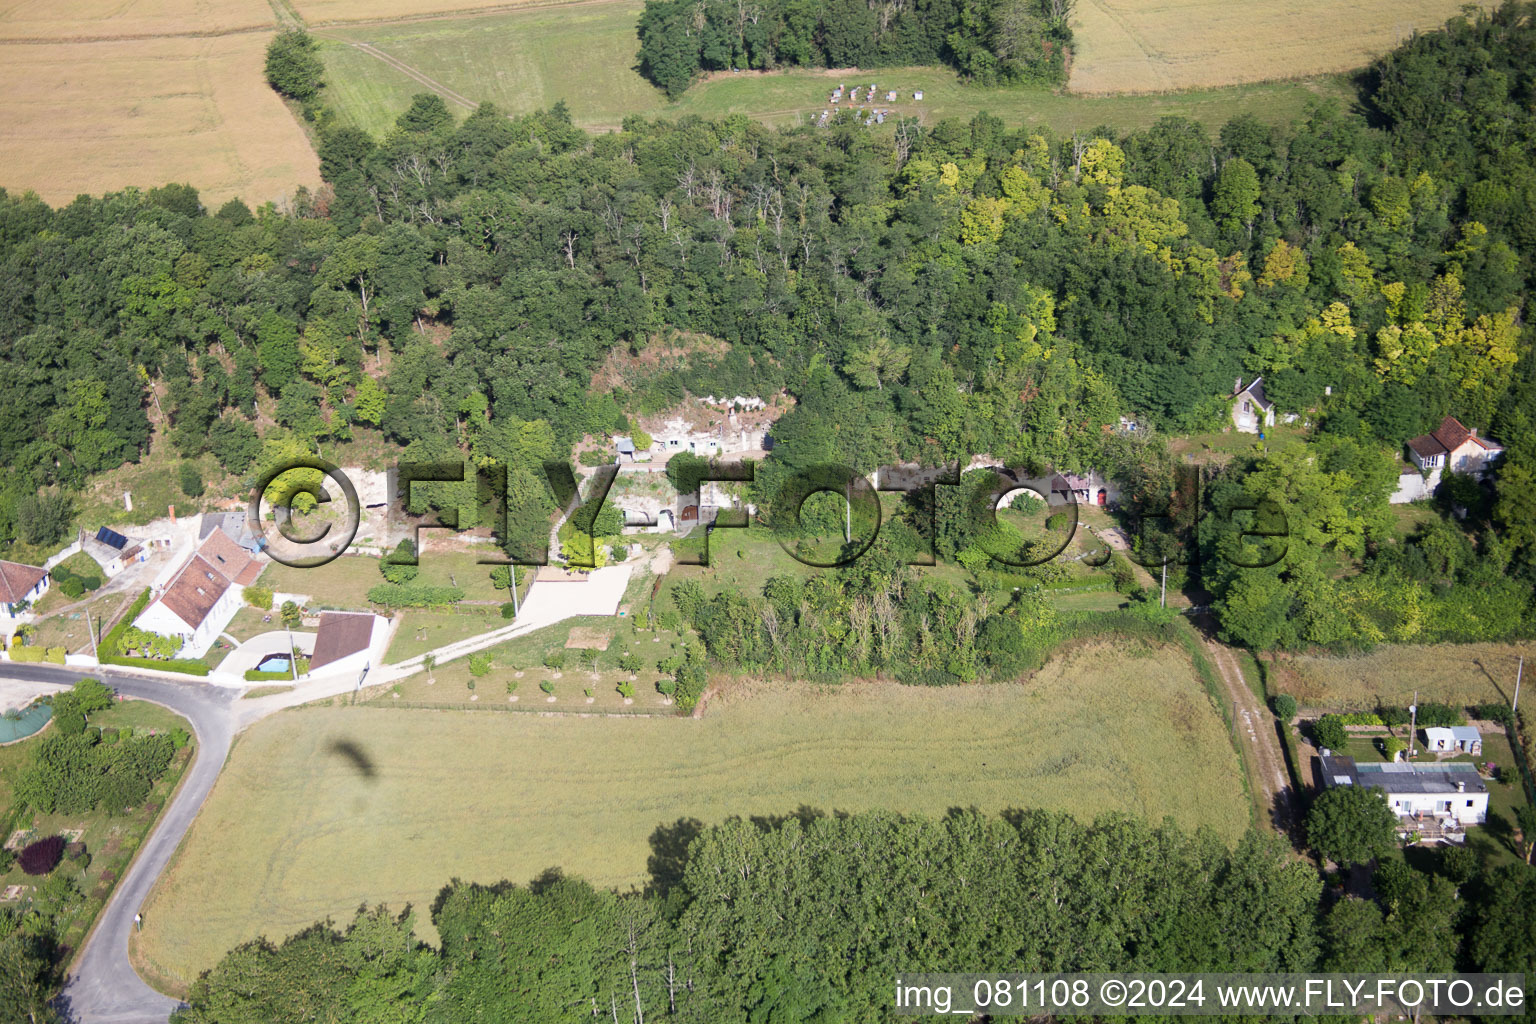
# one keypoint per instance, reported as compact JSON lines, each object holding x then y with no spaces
{"x":548,"y":686}
{"x":256,"y":675}
{"x":1392,"y":717}
{"x":291,"y":616}
{"x":74,"y":586}
{"x":1284,"y":706}
{"x":57,"y":655}
{"x":259,"y":597}
{"x":41,"y":857}
{"x":28,"y":654}
{"x":620,"y":552}
{"x":1329,"y":732}
{"x":626,"y":690}
{"x":479,"y":664}
{"x":1440,"y":715}
{"x":69,"y":722}
{"x":1391,"y":746}
{"x":666,"y":687}
{"x":1499,"y":713}
{"x":629,"y":661}
{"x":179,"y":738}
{"x":414,"y":595}
{"x":508,"y":610}
{"x":555,"y":660}
{"x":191,"y":479}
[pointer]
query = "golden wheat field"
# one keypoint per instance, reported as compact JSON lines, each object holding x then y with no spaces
{"x":1129,"y":46}
{"x":78,"y":20}
{"x":98,"y":116}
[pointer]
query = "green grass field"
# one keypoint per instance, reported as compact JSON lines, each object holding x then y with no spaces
{"x":1446,"y":673}
{"x":320,"y":809}
{"x":586,"y":56}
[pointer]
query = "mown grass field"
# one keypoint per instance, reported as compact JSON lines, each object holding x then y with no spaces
{"x":584,"y":54}
{"x":301,"y":825}
{"x":1443,"y":673}
{"x":89,"y":117}
{"x":1140,"y":46}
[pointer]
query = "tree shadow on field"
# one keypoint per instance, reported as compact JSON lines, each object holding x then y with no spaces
{"x":669,"y":854}
{"x":350,"y":751}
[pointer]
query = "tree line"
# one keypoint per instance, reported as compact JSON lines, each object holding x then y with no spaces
{"x":987,"y":41}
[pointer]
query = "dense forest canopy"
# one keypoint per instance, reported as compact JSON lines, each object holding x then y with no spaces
{"x":924,"y":295}
{"x":987,"y":41}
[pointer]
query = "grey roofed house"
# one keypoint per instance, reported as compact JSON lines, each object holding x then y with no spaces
{"x":233,"y":525}
{"x":625,"y":445}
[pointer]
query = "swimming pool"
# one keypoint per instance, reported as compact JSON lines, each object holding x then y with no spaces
{"x":31,"y":720}
{"x":274,"y":663}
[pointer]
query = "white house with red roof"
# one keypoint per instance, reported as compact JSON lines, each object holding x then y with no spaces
{"x":203,"y":595}
{"x":20,"y":586}
{"x":1450,"y":447}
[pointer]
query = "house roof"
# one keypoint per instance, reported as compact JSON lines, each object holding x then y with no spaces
{"x":1446,"y":438}
{"x":625,"y":445}
{"x":1404,"y":778}
{"x":1465,"y":732}
{"x":194,"y":591}
{"x":1256,"y":389}
{"x":17,"y":580}
{"x":230,"y":558}
{"x":341,"y":635}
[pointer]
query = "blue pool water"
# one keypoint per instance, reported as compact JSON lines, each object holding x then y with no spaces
{"x":274,"y":663}
{"x":31,"y":720}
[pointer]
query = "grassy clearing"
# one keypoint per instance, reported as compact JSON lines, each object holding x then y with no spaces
{"x":422,"y":631}
{"x":1137,"y":46}
{"x":99,"y":116}
{"x":342,"y":583}
{"x":585,"y":55}
{"x":1443,"y":673}
{"x":294,"y":832}
{"x":521,"y":61}
{"x":320,"y":12}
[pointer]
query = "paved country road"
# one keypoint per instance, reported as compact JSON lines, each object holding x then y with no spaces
{"x":103,"y":988}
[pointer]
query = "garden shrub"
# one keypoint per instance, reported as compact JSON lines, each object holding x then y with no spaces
{"x":555,"y":660}
{"x":259,"y":597}
{"x":1329,"y":731}
{"x":28,"y":654}
{"x":666,"y":687}
{"x":548,"y":686}
{"x":72,"y":587}
{"x":414,"y":595}
{"x":1499,"y":713}
{"x":626,"y":690}
{"x":508,"y":610}
{"x":479,"y":664}
{"x":1284,"y":706}
{"x":43,"y":856}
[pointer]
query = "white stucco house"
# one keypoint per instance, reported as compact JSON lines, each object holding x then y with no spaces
{"x":203,"y":594}
{"x":21,"y":585}
{"x":1447,"y":794}
{"x":1252,"y":410}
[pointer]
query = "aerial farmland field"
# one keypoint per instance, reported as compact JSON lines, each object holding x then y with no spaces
{"x":146,"y":96}
{"x":1145,"y":46}
{"x":322,"y":808}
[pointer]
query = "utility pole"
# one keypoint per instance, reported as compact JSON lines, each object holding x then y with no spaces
{"x":848,"y":513}
{"x":91,"y":629}
{"x":1413,"y":722}
{"x":513,"y":570}
{"x":1514,"y":705}
{"x":1164,"y":599}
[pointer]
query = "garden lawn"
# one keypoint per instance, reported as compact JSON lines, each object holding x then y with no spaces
{"x":322,"y":808}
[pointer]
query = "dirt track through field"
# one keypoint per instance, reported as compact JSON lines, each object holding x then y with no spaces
{"x":1261,"y":743}
{"x":405,"y":69}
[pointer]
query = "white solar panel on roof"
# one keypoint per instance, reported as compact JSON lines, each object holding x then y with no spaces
{"x":1343,"y":780}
